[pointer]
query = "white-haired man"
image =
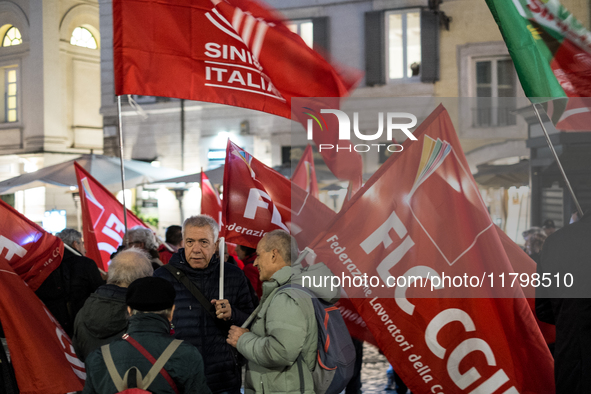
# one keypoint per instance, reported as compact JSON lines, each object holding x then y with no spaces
{"x":205,"y":323}
{"x":103,"y":317}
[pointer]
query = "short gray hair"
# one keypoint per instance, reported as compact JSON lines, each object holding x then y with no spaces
{"x":202,"y":221}
{"x":69,"y":236}
{"x":129,"y":265}
{"x":142,"y":234}
{"x":164,"y":313}
{"x":283,"y":242}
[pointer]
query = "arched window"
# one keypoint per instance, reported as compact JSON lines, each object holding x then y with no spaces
{"x":12,"y":37}
{"x":82,"y":37}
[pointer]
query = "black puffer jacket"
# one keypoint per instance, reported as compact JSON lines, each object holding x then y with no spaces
{"x":194,"y":325}
{"x":66,"y":289}
{"x":102,"y":319}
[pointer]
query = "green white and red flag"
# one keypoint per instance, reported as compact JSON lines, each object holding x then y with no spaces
{"x":551,"y":51}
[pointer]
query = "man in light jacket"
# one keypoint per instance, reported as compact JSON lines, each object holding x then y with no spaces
{"x":285,"y":326}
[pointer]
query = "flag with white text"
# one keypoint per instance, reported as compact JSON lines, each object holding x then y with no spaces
{"x":102,"y":219}
{"x":32,"y":252}
{"x":393,"y":249}
{"x":258,"y":199}
{"x":240,"y":53}
{"x":42,"y":354}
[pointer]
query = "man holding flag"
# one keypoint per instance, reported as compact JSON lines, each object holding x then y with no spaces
{"x":201,"y":318}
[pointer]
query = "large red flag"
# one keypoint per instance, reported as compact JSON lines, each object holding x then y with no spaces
{"x":431,"y":224}
{"x":32,"y":252}
{"x":102,"y":219}
{"x":234,"y":52}
{"x":258,"y":199}
{"x":210,"y":200}
{"x":42,"y":354}
{"x":305,"y":174}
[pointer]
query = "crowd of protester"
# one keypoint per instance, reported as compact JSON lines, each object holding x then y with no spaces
{"x":156,"y":293}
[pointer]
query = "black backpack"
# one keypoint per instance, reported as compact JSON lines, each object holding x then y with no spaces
{"x":335,"y":361}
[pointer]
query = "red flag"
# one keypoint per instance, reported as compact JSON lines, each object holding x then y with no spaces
{"x":222,"y":52}
{"x":576,"y":115}
{"x":258,"y":199}
{"x":102,"y":219}
{"x":355,"y":324}
{"x":210,"y":200}
{"x":32,"y":252}
{"x":42,"y":354}
{"x":305,"y":174}
{"x":431,"y":224}
{"x":239,"y":53}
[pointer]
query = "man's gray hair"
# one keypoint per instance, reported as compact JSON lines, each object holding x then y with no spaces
{"x":144,"y":235}
{"x":164,"y":313}
{"x":129,"y":265}
{"x":202,"y":221}
{"x":283,"y":242}
{"x":69,"y":236}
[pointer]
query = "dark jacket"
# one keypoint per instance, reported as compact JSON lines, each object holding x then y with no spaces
{"x":566,"y":252}
{"x":153,"y":333}
{"x":66,"y":289}
{"x":194,"y":325}
{"x":102,"y":319}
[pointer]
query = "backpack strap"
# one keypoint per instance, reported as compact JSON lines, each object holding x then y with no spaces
{"x":119,"y":385}
{"x":166,"y":354}
{"x":182,"y":278}
{"x":159,"y":366}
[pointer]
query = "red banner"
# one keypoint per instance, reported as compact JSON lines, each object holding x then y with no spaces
{"x":428,"y":225}
{"x":240,"y":53}
{"x":222,"y":52}
{"x":42,"y":354}
{"x":102,"y":219}
{"x":32,"y":252}
{"x":210,"y":200}
{"x":258,"y":199}
{"x":355,"y":324}
{"x":305,"y":174}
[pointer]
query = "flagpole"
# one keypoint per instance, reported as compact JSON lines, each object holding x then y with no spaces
{"x":222,"y":249}
{"x":122,"y":167}
{"x":570,"y":189}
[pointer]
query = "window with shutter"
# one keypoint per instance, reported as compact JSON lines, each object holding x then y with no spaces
{"x":314,"y":32}
{"x":401,"y":45}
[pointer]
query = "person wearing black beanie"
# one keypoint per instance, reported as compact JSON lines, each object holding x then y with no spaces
{"x":150,"y":303}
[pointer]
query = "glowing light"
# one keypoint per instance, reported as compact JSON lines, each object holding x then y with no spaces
{"x":54,"y":221}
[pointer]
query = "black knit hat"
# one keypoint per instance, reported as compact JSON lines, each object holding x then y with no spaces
{"x":150,"y":294}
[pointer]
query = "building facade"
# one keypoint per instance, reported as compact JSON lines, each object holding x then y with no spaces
{"x":50,"y":101}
